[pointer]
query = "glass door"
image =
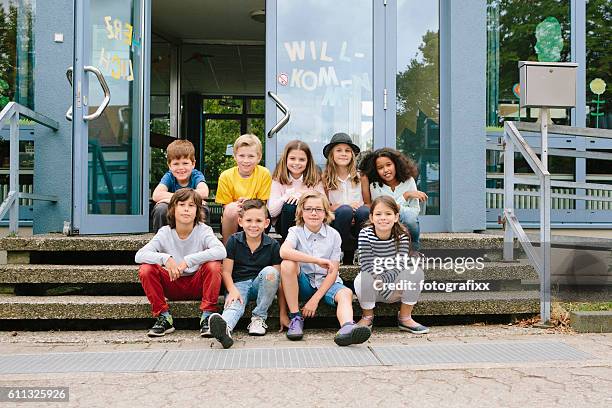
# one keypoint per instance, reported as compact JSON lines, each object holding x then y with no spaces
{"x":322,"y":74}
{"x":110,"y":117}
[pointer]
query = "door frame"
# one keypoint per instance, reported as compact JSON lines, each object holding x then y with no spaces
{"x":81,"y":221}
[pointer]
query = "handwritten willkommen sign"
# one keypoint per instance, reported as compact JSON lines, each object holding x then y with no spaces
{"x":326,"y":76}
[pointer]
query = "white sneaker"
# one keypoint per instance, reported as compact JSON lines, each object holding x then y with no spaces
{"x":257,"y":327}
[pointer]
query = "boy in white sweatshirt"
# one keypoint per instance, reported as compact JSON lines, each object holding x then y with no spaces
{"x":181,"y":262}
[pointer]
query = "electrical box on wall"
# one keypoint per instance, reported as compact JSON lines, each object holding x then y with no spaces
{"x":548,"y":84}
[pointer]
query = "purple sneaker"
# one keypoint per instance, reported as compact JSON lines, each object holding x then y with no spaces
{"x":351,"y":333}
{"x":296,"y":328}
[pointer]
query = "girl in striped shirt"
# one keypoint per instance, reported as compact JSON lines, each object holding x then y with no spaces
{"x":387,"y":273}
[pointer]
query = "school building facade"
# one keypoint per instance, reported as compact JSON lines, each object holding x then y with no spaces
{"x":434,"y":79}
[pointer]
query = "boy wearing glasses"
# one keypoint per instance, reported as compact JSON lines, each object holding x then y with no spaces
{"x":309,"y":272}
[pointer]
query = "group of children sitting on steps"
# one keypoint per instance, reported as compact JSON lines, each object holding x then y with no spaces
{"x":322,"y":217}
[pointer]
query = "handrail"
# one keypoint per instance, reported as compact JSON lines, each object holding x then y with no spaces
{"x":98,"y":156}
{"x":532,"y":159}
{"x":512,"y":226}
{"x":565,"y":130}
{"x":12,"y":113}
{"x":13,"y":107}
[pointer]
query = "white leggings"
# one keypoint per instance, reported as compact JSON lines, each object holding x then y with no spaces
{"x":366,"y":293}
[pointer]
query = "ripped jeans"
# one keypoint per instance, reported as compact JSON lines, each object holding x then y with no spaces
{"x":262,"y":288}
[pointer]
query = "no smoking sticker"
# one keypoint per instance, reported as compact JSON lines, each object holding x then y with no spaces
{"x":283,"y":79}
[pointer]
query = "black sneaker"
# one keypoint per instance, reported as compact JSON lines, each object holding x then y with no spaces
{"x":205,"y":328}
{"x":220,"y":331}
{"x":161,"y":327}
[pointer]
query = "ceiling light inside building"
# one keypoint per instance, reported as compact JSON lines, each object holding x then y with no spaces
{"x":258,"y":15}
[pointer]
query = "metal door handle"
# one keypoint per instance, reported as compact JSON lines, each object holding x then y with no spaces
{"x":105,"y":88}
{"x":281,"y":123}
{"x":69,"y":76}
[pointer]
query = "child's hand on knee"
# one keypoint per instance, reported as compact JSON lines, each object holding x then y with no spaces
{"x":232,"y":296}
{"x":172,"y":268}
{"x":419,"y":195}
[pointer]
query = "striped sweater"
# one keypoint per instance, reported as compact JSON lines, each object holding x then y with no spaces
{"x":373,"y":252}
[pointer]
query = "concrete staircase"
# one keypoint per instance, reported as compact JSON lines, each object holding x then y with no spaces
{"x":54,"y":279}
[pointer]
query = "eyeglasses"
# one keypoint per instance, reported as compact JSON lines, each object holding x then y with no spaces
{"x":314,"y":209}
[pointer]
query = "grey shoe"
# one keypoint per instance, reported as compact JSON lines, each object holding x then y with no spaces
{"x":257,"y":327}
{"x":296,"y":328}
{"x":418,"y":329}
{"x":351,"y":333}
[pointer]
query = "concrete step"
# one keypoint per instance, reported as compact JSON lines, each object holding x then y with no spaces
{"x":90,"y":274}
{"x":137,"y":307}
{"x":59,"y":242}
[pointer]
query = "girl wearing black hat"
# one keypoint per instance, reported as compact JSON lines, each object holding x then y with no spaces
{"x":343,"y":187}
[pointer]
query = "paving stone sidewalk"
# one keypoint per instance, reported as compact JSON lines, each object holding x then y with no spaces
{"x":526,"y":384}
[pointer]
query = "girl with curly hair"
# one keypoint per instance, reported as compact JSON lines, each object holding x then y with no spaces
{"x":389,"y":172}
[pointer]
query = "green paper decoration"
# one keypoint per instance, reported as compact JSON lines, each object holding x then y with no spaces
{"x":549,"y":40}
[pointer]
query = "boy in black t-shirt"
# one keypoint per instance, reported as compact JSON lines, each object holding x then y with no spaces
{"x":250,"y":271}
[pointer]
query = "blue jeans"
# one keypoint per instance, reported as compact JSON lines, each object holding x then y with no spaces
{"x":263,"y":288}
{"x":343,"y":223}
{"x":286,"y":219}
{"x":306,"y":290}
{"x":410,"y":219}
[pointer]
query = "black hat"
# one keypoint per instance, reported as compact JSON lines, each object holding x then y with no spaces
{"x":337,"y":139}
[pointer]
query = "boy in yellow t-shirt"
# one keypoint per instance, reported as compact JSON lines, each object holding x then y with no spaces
{"x":248,"y":180}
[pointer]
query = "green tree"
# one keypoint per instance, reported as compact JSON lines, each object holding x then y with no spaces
{"x":418,"y":94}
{"x":518,"y":20}
{"x":8,"y":52}
{"x":219,"y":134}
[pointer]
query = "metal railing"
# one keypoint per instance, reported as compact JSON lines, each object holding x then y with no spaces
{"x":12,"y":113}
{"x":514,"y":142}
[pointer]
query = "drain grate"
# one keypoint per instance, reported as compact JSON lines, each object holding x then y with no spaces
{"x":80,"y":362}
{"x":304,"y":357}
{"x":291,"y":357}
{"x":492,"y":352}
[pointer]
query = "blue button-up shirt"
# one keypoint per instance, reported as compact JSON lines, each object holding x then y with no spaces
{"x":323,"y":244}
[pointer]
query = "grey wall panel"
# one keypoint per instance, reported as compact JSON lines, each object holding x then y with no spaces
{"x":465,"y":56}
{"x":53,"y":96}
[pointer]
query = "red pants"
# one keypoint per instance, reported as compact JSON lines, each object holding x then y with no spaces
{"x":204,"y":284}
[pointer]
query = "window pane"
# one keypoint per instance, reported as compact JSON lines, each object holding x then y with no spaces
{"x":218,"y":134}
{"x":522,"y":30}
{"x":114,"y":161}
{"x":324,"y":71}
{"x":599,"y":63}
{"x":16,"y":52}
{"x":418,"y":93}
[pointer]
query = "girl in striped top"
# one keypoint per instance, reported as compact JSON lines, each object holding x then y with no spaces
{"x":387,"y":273}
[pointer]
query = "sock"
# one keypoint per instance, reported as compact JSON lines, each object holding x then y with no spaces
{"x":168,"y":316}
{"x":292,"y":315}
{"x":205,"y":315}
